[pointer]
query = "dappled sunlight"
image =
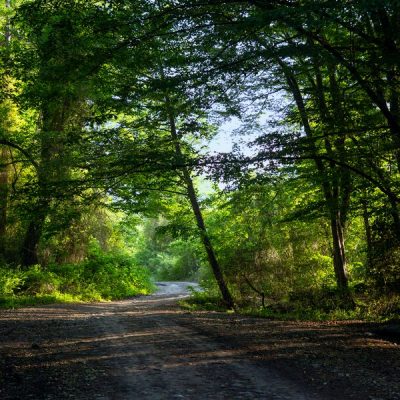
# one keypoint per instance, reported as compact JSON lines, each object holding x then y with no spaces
{"x":76,"y":312}
{"x":252,"y":147}
{"x":150,"y":343}
{"x":201,"y":358}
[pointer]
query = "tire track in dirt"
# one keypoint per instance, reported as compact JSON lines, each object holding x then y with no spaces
{"x":144,"y":348}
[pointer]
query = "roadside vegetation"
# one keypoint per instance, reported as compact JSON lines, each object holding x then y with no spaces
{"x":108,"y":111}
{"x":101,"y":276}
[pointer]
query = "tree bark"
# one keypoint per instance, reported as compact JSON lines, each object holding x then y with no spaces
{"x":3,"y":198}
{"x":33,"y":234}
{"x":191,"y":192}
{"x":394,"y":211}
{"x":49,"y":171}
{"x":339,"y":256}
{"x":368,"y":233}
{"x":4,"y":169}
{"x":339,"y":259}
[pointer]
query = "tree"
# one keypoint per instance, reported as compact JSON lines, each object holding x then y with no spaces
{"x":319,"y":51}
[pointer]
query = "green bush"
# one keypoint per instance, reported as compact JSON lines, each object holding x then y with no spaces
{"x":10,"y":281}
{"x":37,"y":280}
{"x":383,"y":307}
{"x":102,"y":276}
{"x":115,"y":275}
{"x":203,"y":300}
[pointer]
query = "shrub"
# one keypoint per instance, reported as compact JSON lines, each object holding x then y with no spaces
{"x":10,"y":281}
{"x":37,"y":280}
{"x":102,"y":276}
{"x":115,"y":275}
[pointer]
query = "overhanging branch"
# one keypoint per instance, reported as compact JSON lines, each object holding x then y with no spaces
{"x":21,"y":150}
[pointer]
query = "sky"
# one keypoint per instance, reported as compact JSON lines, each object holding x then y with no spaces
{"x":223,"y":141}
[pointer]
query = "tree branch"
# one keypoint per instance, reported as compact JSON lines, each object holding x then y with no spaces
{"x":21,"y":150}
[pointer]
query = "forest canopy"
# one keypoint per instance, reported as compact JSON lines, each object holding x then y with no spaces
{"x":108,"y":115}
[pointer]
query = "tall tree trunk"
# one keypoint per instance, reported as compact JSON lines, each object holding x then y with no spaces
{"x":368,"y":232}
{"x":33,"y":234}
{"x":394,"y":211}
{"x":341,"y":182}
{"x":3,"y":198}
{"x":212,"y":259}
{"x":339,"y":260}
{"x":339,"y":257}
{"x":50,"y":170}
{"x":4,"y":169}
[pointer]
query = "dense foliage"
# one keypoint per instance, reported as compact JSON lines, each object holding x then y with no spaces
{"x":102,"y":276}
{"x":107,"y":112}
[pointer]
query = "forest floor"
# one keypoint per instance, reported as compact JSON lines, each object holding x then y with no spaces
{"x":149,"y":348}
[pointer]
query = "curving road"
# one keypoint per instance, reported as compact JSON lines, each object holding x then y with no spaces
{"x":174,"y":289}
{"x":142,"y":348}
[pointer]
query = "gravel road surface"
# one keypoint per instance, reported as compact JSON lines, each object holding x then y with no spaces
{"x":149,"y":348}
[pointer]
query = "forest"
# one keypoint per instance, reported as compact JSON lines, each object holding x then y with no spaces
{"x":113,"y":176}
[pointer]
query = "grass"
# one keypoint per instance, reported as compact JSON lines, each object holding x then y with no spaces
{"x":38,"y":299}
{"x":102,"y":277}
{"x":373,"y":307}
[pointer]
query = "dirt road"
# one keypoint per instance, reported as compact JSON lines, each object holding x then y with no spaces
{"x":148,"y":348}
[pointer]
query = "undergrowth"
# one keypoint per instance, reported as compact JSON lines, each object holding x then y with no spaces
{"x":101,"y":277}
{"x":308,"y":306}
